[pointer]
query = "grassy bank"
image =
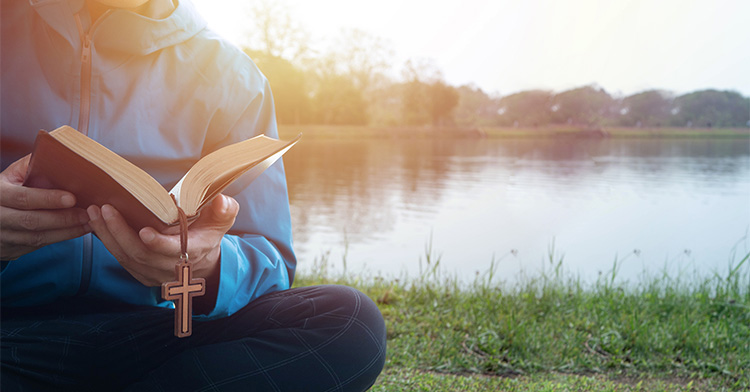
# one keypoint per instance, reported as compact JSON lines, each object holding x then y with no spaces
{"x":555,"y":333}
{"x":349,"y":131}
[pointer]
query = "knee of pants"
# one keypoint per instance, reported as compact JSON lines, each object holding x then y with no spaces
{"x":363,"y":339}
{"x":350,"y":305}
{"x":341,"y":326}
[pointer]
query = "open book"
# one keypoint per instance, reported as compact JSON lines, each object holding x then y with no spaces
{"x":69,"y":160}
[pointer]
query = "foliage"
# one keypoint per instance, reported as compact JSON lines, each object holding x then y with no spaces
{"x":587,"y":106}
{"x":362,"y":57}
{"x":442,"y":99}
{"x":428,"y":103}
{"x":427,"y":99}
{"x":410,"y":380}
{"x":289,"y":85}
{"x":274,"y":31}
{"x":413,"y":109}
{"x":385,"y":105}
{"x":338,"y":101}
{"x":441,"y":334}
{"x":651,"y":108}
{"x":349,"y":84}
{"x":712,"y":108}
{"x":526,"y":108}
{"x":475,"y":108}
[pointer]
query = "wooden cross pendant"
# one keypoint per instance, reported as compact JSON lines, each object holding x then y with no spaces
{"x":182,"y":292}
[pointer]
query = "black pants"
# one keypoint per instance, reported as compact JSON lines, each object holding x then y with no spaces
{"x":320,"y":338}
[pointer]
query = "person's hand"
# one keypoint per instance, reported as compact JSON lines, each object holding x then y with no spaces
{"x":150,"y":256}
{"x":31,"y":218}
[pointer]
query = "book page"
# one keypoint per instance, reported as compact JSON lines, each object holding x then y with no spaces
{"x":217,"y":170}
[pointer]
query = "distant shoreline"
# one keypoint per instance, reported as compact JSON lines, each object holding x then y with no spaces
{"x":348,"y":131}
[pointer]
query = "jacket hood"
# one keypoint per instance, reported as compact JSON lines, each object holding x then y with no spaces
{"x":163,"y":23}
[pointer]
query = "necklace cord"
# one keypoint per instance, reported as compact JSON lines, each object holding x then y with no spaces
{"x":183,"y":232}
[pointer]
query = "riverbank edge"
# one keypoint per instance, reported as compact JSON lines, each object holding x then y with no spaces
{"x":553,"y":332}
{"x":565,"y":132}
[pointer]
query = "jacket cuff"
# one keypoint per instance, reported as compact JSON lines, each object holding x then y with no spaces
{"x":240,"y":281}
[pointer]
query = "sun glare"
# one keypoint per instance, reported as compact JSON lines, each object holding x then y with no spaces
{"x":507,"y":46}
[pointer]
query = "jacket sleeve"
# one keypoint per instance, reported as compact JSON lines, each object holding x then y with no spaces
{"x":256,"y":255}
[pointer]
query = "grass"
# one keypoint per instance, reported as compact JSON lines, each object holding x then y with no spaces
{"x":425,"y":381}
{"x":553,"y":332}
{"x":359,"y":131}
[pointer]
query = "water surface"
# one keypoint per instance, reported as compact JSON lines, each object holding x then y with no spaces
{"x":680,"y":206}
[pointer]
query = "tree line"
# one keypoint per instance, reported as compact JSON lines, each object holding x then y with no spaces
{"x":592,"y":106}
{"x":348,"y":84}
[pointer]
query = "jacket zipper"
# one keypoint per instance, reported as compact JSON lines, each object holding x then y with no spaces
{"x":83,"y":127}
{"x":83,"y":117}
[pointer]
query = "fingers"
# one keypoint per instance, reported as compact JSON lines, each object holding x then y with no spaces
{"x":15,"y":173}
{"x":41,"y":220}
{"x":26,"y":230}
{"x":31,"y":218}
{"x":99,"y":227}
{"x":165,"y":244}
{"x":25,"y":198}
{"x":206,"y":232}
{"x":18,"y":243}
{"x":37,"y":239}
{"x":150,"y":256}
{"x":14,"y":195}
{"x":126,"y":246}
{"x":114,"y":233}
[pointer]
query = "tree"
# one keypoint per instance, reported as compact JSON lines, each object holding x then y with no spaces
{"x":338,"y":101}
{"x":526,"y":108}
{"x":421,"y":70}
{"x":712,"y":108}
{"x":441,"y":100}
{"x":413,"y":107}
{"x":385,"y":104}
{"x":588,"y":106}
{"x":427,"y":99}
{"x":275,"y":32}
{"x":289,"y":86}
{"x":652,"y":108}
{"x":364,"y":57}
{"x":475,"y":107}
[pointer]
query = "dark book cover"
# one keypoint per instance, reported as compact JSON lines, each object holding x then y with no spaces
{"x":54,"y":166}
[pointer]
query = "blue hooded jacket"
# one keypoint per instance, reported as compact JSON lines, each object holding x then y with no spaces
{"x":161,"y":90}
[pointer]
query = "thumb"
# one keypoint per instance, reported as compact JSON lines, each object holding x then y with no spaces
{"x":224,"y":210}
{"x":16,"y":171}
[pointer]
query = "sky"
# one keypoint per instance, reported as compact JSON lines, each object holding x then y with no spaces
{"x":508,"y":46}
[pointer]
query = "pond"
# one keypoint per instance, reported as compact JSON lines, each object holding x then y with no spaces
{"x":382,"y":206}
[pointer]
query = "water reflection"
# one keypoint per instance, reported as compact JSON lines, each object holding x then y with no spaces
{"x":679,"y":203}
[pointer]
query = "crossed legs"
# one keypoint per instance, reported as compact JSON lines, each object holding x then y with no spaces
{"x":319,"y":338}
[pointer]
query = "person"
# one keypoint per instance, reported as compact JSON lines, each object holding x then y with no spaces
{"x":81,"y":304}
